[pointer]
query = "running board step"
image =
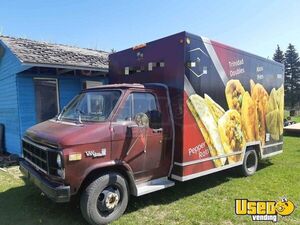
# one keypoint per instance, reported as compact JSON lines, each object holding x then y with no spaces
{"x":154,"y":185}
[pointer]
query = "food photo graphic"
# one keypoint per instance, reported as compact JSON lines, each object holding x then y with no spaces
{"x":252,"y":115}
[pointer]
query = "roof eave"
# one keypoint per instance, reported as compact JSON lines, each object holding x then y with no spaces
{"x":30,"y":64}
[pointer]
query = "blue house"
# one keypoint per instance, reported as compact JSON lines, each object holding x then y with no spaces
{"x":37,"y":79}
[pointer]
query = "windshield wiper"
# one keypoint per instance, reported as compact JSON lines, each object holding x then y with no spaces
{"x":60,"y":114}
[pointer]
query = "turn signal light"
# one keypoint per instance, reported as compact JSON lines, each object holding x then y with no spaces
{"x":75,"y":157}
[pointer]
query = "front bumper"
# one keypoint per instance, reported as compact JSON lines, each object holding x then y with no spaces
{"x":54,"y":191}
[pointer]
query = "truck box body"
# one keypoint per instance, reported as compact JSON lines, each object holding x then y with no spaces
{"x":193,"y":66}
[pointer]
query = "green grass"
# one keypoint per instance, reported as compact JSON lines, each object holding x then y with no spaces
{"x":207,"y":200}
{"x":296,"y":118}
{"x":293,"y":118}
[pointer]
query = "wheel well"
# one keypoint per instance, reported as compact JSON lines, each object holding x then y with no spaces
{"x":256,"y":148}
{"x":94,"y":174}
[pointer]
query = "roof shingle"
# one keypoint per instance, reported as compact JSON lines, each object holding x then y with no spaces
{"x":37,"y":52}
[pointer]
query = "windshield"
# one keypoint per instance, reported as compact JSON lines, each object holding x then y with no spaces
{"x":93,"y":106}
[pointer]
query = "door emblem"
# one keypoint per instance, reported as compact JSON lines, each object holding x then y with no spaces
{"x":95,"y":154}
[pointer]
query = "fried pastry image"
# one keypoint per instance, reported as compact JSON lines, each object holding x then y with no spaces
{"x":208,"y":126}
{"x":280,"y":102}
{"x":230,"y":129}
{"x":258,"y":93}
{"x":272,"y":103}
{"x":260,"y":97}
{"x":252,"y":85}
{"x":234,"y":94}
{"x":216,"y":110}
{"x":249,"y":117}
{"x":274,"y":117}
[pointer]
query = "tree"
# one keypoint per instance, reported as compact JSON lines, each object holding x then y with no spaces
{"x":292,"y":76}
{"x":278,"y":55}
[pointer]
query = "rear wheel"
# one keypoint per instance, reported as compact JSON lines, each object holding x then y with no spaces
{"x":105,"y":199}
{"x":249,"y":166}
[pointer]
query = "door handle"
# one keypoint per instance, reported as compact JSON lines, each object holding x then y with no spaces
{"x":132,"y":125}
{"x":157,"y":130}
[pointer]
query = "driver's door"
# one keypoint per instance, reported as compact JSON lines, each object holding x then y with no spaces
{"x":138,"y":144}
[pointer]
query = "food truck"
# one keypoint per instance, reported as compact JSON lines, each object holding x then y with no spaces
{"x":177,"y":108}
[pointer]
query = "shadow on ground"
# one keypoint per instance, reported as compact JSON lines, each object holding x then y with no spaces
{"x":188,"y":188}
{"x":25,"y":205}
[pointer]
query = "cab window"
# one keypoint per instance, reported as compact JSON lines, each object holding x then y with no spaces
{"x":126,"y":112}
{"x":137,"y":103}
{"x":143,"y":103}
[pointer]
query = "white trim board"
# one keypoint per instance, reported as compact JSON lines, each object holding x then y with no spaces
{"x":272,"y":154}
{"x":271,"y":145}
{"x":206,"y":172}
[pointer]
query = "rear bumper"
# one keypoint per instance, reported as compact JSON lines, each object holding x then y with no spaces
{"x":54,"y":191}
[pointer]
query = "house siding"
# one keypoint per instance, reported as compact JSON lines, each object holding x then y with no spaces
{"x":26,"y":98}
{"x":68,"y":87}
{"x":9,"y":114}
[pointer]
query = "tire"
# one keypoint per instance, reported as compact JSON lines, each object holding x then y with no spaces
{"x":250,"y":163}
{"x":95,"y":200}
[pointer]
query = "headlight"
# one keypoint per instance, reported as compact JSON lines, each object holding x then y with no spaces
{"x":61,"y":173}
{"x":59,"y":160}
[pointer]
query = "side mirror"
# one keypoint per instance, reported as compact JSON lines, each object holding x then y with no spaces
{"x":155,"y":119}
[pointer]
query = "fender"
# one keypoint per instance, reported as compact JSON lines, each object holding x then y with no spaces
{"x":256,"y":145}
{"x":110,"y":166}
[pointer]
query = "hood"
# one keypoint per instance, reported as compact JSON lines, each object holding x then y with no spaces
{"x":63,"y":134}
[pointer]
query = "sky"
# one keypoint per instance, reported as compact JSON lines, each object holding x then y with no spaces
{"x":256,"y":26}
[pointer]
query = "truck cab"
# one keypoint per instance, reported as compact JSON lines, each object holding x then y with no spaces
{"x":121,"y":134}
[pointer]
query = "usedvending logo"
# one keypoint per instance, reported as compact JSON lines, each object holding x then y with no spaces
{"x":264,"y":210}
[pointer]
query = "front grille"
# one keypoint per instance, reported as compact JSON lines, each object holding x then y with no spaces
{"x":41,"y":157}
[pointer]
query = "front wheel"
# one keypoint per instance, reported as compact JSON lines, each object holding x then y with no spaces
{"x":249,"y":166}
{"x":105,"y":199}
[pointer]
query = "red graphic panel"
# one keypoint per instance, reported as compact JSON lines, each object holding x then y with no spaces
{"x":230,"y":60}
{"x":194,"y":146}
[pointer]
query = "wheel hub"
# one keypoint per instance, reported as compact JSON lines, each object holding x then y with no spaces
{"x":108,"y":199}
{"x":112,"y":200}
